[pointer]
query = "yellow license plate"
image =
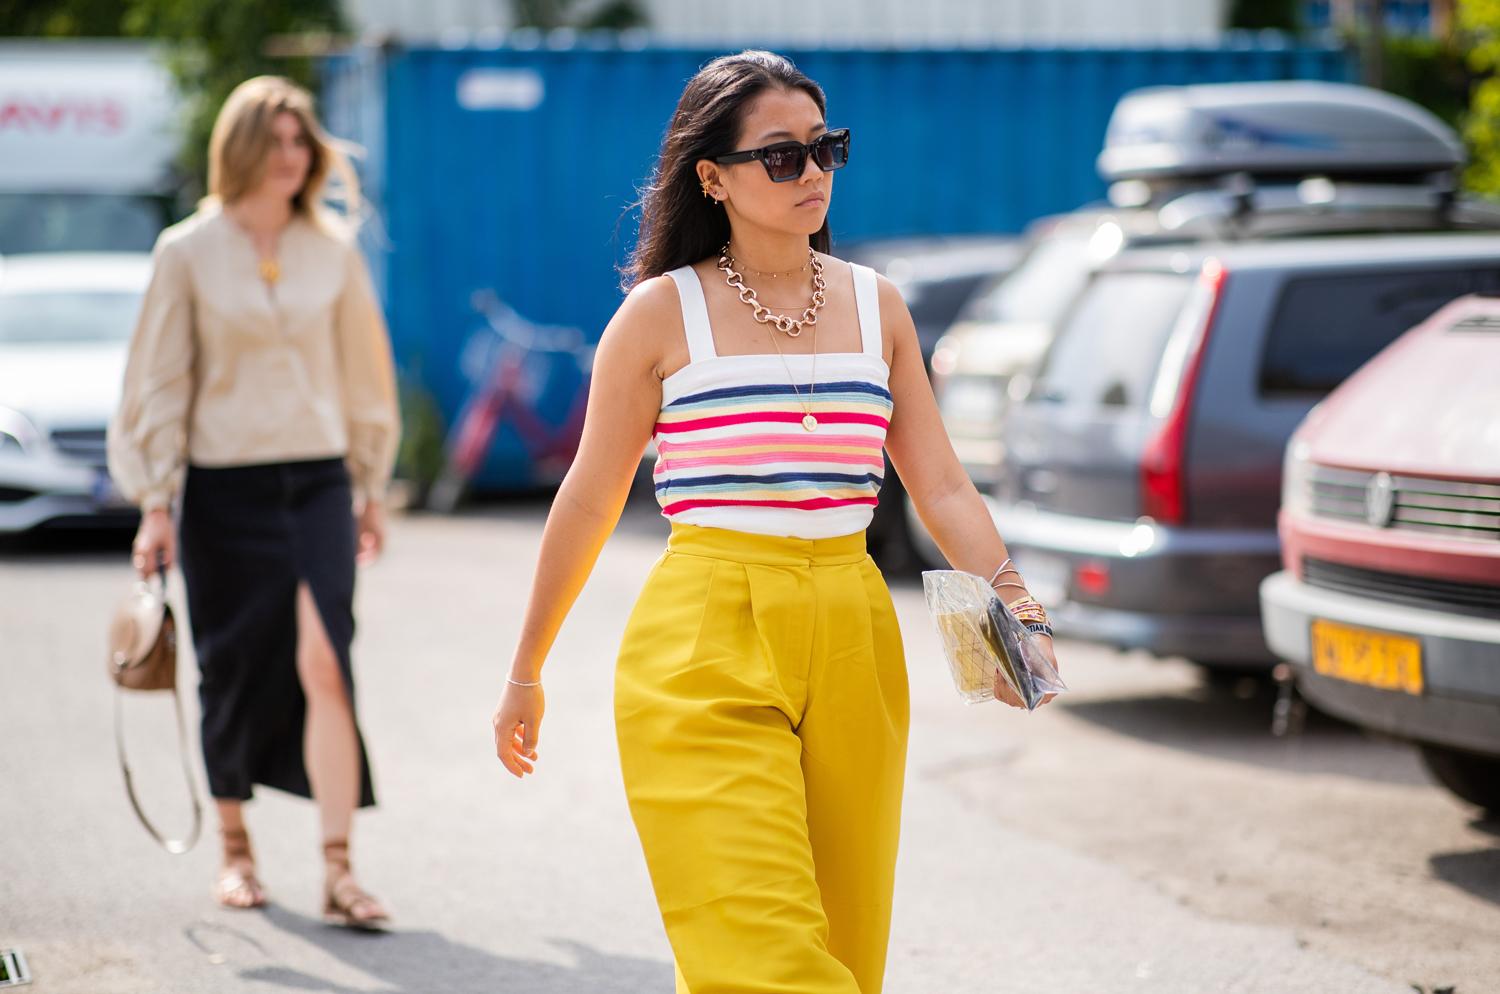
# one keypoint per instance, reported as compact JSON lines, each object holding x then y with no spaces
{"x":1375,"y":659}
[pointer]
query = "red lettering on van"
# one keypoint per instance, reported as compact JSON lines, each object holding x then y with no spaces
{"x":104,"y":116}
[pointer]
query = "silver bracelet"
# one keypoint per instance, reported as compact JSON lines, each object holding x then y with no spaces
{"x":1002,"y":570}
{"x":518,"y":683}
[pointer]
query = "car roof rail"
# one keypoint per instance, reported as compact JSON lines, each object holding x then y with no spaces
{"x":1240,"y":209}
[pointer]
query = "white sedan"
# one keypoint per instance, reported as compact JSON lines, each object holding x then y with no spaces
{"x":65,"y":324}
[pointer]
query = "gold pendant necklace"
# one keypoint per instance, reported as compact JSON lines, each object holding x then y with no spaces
{"x":792,"y":326}
{"x":270,"y":271}
{"x":808,"y":421}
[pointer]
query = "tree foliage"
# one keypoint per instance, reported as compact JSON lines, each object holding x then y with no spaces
{"x":216,"y":45}
{"x":62,"y":18}
{"x":220,"y":44}
{"x":1480,"y":20}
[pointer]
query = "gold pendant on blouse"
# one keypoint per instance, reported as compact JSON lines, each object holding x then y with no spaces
{"x":270,"y":270}
{"x":810,"y":423}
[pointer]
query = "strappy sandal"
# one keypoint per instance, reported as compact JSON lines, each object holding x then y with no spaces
{"x":344,"y":901}
{"x":235,"y":888}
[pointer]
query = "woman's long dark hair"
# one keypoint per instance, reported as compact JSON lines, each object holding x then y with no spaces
{"x":680,"y":226}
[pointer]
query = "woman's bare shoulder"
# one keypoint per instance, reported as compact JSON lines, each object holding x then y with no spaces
{"x":649,"y":325}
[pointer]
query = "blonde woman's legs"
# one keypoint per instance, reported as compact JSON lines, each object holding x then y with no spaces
{"x":331,"y":752}
{"x":329,"y":745}
{"x":235,"y":886}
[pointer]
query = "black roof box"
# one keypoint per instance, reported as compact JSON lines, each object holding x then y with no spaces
{"x":1277,"y":128}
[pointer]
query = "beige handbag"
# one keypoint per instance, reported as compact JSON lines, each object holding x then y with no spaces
{"x":143,"y":657}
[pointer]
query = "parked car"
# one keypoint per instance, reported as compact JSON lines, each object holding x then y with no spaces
{"x":1141,"y":457}
{"x":1143,"y":466}
{"x":1388,"y":605}
{"x":65,"y":324}
{"x":937,"y":276}
{"x":1199,"y":163}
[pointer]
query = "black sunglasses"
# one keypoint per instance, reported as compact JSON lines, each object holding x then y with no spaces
{"x":785,"y":161}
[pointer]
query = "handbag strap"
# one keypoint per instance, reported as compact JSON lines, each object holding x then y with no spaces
{"x":174,"y":846}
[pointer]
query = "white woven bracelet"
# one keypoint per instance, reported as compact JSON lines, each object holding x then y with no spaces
{"x":518,"y":683}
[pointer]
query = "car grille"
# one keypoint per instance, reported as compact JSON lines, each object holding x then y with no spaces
{"x":1467,"y":598}
{"x":1451,"y":508}
{"x":85,"y":445}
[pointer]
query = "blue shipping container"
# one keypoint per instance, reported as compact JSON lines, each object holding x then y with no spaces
{"x":515,"y":170}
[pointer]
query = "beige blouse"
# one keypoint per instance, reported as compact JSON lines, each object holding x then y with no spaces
{"x":228,"y":370}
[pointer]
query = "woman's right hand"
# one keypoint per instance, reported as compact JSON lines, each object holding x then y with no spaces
{"x":156,"y":536}
{"x":518,"y":718}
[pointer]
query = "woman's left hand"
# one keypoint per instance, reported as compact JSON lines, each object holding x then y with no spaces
{"x":371,"y":532}
{"x":1003,"y":692}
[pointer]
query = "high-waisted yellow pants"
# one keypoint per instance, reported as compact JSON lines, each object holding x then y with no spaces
{"x":761,"y":708}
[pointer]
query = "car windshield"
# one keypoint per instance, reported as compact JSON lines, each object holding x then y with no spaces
{"x":76,"y":316}
{"x":1042,"y":286}
{"x":1109,"y":350}
{"x":79,"y":222}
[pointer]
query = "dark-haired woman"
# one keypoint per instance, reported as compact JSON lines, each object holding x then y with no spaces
{"x":760,"y":694}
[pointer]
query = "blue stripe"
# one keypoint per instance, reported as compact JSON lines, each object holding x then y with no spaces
{"x":820,"y":391}
{"x":776,"y":480}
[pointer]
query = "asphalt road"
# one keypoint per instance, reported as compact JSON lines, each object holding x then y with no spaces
{"x":1143,"y":834}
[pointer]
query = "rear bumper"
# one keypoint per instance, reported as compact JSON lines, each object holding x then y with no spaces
{"x":1173,"y":591}
{"x":1460,"y":704}
{"x":1228,"y":640}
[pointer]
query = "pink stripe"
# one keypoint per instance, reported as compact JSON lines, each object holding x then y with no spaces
{"x":761,"y":417}
{"x":806,"y":505}
{"x":736,"y":441}
{"x":665,"y":464}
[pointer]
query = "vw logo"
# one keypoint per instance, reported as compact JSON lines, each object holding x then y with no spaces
{"x":1380,"y":498}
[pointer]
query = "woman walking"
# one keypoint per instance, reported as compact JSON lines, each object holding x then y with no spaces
{"x":260,"y":392}
{"x":760,"y":692}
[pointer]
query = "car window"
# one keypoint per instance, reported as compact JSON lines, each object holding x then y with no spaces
{"x":1326,"y":327}
{"x":1042,"y":286}
{"x":79,"y":222}
{"x":1108,"y":351}
{"x":68,"y":317}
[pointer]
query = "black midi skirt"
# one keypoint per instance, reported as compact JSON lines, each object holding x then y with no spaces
{"x":248,"y":536}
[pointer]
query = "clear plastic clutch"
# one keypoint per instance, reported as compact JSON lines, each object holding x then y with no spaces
{"x":982,"y":640}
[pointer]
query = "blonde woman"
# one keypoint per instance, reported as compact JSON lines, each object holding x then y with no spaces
{"x":259,"y":399}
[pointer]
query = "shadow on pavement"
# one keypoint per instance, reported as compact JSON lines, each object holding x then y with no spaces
{"x":1477,"y":872}
{"x":1215,"y":722}
{"x":426,"y":962}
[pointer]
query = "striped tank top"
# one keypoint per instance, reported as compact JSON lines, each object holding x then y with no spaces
{"x":732,"y":449}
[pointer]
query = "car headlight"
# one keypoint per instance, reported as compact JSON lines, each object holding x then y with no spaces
{"x":17,"y":435}
{"x":1296,"y":478}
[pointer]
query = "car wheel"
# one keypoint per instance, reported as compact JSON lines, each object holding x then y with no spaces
{"x":1473,"y":777}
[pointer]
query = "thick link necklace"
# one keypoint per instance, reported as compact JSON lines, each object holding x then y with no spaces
{"x":792,"y":326}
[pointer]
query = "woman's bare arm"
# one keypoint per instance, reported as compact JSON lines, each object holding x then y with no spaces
{"x":624,"y":401}
{"x":946,"y":500}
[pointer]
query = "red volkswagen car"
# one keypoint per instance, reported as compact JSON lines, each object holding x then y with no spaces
{"x":1389,"y":602}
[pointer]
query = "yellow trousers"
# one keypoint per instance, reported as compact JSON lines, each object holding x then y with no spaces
{"x":761,"y":708}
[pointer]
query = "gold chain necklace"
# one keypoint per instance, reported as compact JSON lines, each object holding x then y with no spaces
{"x":792,"y":326}
{"x":790,"y":272}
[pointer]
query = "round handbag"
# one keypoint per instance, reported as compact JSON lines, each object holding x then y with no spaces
{"x":143,"y":657}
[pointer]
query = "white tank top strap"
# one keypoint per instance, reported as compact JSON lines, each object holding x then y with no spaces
{"x":867,"y":303}
{"x":700,"y":337}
